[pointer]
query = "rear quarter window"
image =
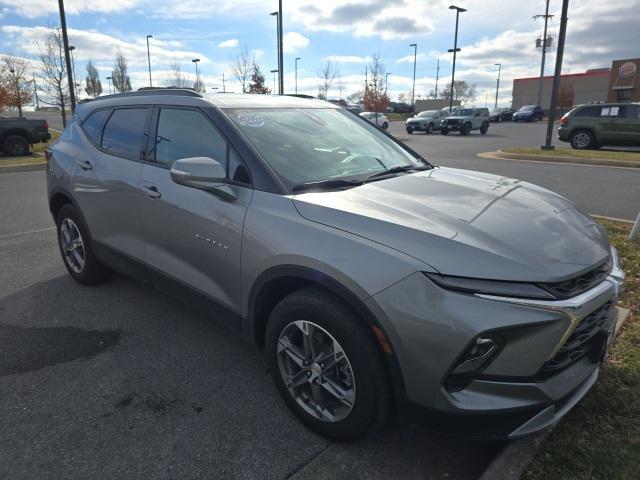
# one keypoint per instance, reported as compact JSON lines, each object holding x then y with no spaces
{"x":94,"y":125}
{"x":124,"y":134}
{"x":593,"y":111}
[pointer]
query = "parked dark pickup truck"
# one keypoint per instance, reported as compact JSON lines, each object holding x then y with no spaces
{"x":16,"y":134}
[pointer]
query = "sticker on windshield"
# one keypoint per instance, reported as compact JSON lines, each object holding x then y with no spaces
{"x":249,"y":120}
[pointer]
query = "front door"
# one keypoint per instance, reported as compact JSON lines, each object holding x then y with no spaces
{"x":194,"y":237}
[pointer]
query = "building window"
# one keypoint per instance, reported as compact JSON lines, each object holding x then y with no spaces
{"x":624,"y":95}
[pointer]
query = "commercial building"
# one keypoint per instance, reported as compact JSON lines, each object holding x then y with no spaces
{"x":620,"y":83}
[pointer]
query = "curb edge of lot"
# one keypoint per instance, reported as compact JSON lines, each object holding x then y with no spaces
{"x":22,"y":167}
{"x":603,"y":162}
{"x":513,"y":459}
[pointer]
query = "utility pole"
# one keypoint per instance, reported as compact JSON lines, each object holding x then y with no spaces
{"x":109,"y":78}
{"x":435,"y":95}
{"x":274,"y":78}
{"x":73,"y":65}
{"x":224,"y":85}
{"x":67,"y":59}
{"x":413,"y":89}
{"x":546,"y":17}
{"x":556,"y":78}
{"x":454,"y":50}
{"x":296,"y":61}
{"x":35,"y":92}
{"x":15,"y":78}
{"x":280,"y":49}
{"x":499,"y":65}
{"x":386,"y":82}
{"x":197,"y":89}
{"x":149,"y":59}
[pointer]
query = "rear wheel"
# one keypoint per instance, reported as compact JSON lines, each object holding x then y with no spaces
{"x":15,"y":145}
{"x":430,"y":128}
{"x":484,"y":128}
{"x":582,"y":140}
{"x":326,"y":365}
{"x":76,"y":249}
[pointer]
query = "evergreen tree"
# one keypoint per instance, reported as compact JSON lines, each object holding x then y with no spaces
{"x":92,"y":81}
{"x":256,"y":85}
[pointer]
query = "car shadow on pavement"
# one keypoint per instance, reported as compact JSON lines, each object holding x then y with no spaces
{"x":119,"y":381}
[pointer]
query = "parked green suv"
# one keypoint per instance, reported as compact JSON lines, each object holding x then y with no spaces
{"x":593,"y":126}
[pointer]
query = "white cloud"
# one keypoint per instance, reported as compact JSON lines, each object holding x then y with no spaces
{"x":348,"y":59}
{"x":409,"y":58}
{"x":294,"y":42}
{"x":232,"y":42}
{"x":41,"y":8}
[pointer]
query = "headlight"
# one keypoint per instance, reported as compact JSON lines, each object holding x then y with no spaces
{"x":490,"y":287}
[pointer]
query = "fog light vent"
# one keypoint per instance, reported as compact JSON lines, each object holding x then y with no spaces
{"x":478,"y":354}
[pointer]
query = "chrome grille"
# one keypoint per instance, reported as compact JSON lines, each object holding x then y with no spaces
{"x":576,"y":286}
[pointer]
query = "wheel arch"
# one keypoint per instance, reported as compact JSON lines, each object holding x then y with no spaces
{"x":16,"y":131}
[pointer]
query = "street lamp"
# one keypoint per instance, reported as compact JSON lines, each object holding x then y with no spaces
{"x":386,"y":82}
{"x":278,"y":16}
{"x":196,"y":60}
{"x":109,"y":78}
{"x":73,"y":64}
{"x":149,"y":59}
{"x":35,"y":92}
{"x":413,"y":89}
{"x":454,"y":50}
{"x":297,"y":58}
{"x":15,"y":78}
{"x":499,"y":65}
{"x":274,"y":79}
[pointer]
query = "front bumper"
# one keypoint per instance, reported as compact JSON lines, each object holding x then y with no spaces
{"x":510,"y":397}
{"x":454,"y":127}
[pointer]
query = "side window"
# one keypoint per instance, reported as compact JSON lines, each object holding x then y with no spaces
{"x":588,"y":112}
{"x":633,"y":112}
{"x":187,"y":133}
{"x":94,"y":125}
{"x":124,"y":133}
{"x":236,"y":171}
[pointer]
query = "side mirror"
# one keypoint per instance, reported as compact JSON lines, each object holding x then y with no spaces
{"x":203,"y":173}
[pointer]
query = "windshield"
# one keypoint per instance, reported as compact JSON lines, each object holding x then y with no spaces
{"x":428,"y":113}
{"x":316,"y":145}
{"x":527,"y":108}
{"x":463,"y":112}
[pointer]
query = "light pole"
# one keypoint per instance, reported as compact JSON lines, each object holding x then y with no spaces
{"x":435,"y":95}
{"x":454,"y":50}
{"x":109,"y":78}
{"x":499,"y":65}
{"x":67,"y":59}
{"x":278,"y":16}
{"x":149,"y":59}
{"x":297,"y":58}
{"x":413,"y":89}
{"x":197,"y":86}
{"x":386,"y":82}
{"x":35,"y":92}
{"x":274,"y":79}
{"x":544,"y":51}
{"x":15,"y":78}
{"x":73,"y":64}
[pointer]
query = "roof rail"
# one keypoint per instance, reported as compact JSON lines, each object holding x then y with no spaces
{"x":182,"y":92}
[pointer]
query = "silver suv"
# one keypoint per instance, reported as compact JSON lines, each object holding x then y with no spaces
{"x":373,"y":280}
{"x":465,"y":120}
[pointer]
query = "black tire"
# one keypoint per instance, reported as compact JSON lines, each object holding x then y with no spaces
{"x":410,"y":131}
{"x":373,"y":399}
{"x":15,"y":146}
{"x":385,"y":125}
{"x":444,"y":131}
{"x":581,"y":140}
{"x":92,"y":272}
{"x":484,"y":128}
{"x":429,"y":129}
{"x":465,"y":129}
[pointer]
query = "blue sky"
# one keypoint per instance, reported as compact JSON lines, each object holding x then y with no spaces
{"x":348,"y":32}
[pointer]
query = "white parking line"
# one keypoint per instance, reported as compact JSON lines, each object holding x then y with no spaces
{"x":40,"y":230}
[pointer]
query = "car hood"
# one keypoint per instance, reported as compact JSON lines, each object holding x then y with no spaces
{"x":418,"y":119}
{"x":467,"y":224}
{"x":524,"y":113}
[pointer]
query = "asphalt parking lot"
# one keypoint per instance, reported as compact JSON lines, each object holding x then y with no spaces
{"x":118,"y":381}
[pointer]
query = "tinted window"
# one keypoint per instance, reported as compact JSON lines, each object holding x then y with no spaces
{"x":633,"y":112}
{"x":94,"y":125}
{"x":588,"y":112}
{"x":125,"y":132}
{"x":187,"y":133}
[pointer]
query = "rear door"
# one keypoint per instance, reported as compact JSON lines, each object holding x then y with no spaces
{"x":630,"y":125}
{"x":108,"y":184}
{"x":193,"y":237}
{"x":612,"y":121}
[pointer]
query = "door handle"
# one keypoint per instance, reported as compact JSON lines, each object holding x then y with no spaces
{"x":84,"y":164}
{"x":151,"y":191}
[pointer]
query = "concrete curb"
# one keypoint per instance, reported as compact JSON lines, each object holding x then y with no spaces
{"x":604,"y":162}
{"x":27,"y":167}
{"x":514,"y":458}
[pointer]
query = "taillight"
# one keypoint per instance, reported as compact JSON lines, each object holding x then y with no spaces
{"x":47,"y":155}
{"x":564,"y":120}
{"x":46,"y":125}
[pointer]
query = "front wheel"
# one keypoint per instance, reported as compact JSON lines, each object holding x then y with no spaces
{"x":385,"y":125}
{"x":484,"y":128}
{"x":409,"y":131}
{"x":465,"y":129}
{"x":444,"y":131}
{"x":582,"y":140}
{"x":430,"y":128}
{"x":326,"y":365}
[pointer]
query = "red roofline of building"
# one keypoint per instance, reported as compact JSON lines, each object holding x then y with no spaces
{"x":597,"y":73}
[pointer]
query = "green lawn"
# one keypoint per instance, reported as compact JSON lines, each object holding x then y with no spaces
{"x":41,"y":147}
{"x":570,"y":152}
{"x":401,"y":117}
{"x":600,"y":438}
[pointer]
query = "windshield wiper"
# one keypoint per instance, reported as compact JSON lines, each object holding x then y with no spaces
{"x":402,"y":169}
{"x":326,"y":185}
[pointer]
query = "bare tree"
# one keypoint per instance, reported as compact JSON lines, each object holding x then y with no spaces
{"x":13,"y":76}
{"x":53,"y":72}
{"x":375,"y":97}
{"x":327,"y":74}
{"x":178,"y":80}
{"x":92,"y":81}
{"x":461,"y":91}
{"x":242,"y":67}
{"x":121,"y":80}
{"x":566,"y":95}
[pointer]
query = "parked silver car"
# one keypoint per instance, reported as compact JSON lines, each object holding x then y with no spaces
{"x":465,"y":120}
{"x":378,"y":119}
{"x":426,"y":121}
{"x":373,"y":280}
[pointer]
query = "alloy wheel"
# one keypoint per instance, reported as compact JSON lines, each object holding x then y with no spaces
{"x":581,"y":140}
{"x":316,"y":371}
{"x":72,"y":245}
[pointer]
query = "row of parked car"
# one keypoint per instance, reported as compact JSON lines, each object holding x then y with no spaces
{"x":463,"y":120}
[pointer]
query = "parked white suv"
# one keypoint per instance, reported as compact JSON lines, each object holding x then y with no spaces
{"x":378,"y":119}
